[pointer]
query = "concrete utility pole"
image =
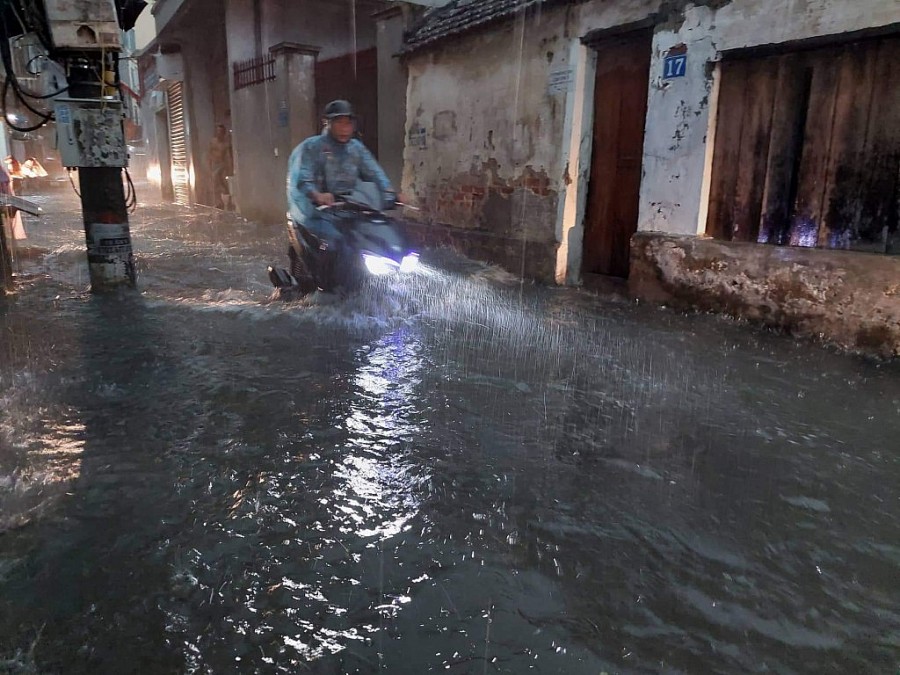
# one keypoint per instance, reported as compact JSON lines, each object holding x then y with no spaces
{"x":90,"y":132}
{"x":5,"y":261}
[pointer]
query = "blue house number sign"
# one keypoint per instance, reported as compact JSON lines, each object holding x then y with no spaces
{"x":675,"y":66}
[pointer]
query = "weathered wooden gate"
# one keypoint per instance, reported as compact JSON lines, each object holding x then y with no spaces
{"x":807,"y":148}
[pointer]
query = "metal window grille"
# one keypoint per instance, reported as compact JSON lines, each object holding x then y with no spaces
{"x":253,"y":71}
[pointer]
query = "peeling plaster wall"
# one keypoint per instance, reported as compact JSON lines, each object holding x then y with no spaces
{"x":598,"y":15}
{"x":392,"y":86}
{"x":483,"y":132}
{"x":678,"y":119}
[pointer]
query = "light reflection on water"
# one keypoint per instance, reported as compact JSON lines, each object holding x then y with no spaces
{"x":440,"y":475}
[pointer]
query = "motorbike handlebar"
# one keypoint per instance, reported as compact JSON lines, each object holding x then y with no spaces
{"x":365,"y":207}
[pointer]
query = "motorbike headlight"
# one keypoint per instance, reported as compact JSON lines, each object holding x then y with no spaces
{"x":379,"y":266}
{"x":410,"y":263}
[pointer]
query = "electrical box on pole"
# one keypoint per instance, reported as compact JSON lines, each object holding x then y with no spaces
{"x":83,"y":24}
{"x":89,"y":133}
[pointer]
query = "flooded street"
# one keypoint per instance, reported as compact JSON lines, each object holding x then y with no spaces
{"x":454,"y":473}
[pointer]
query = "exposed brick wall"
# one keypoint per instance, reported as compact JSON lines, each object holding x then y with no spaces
{"x":536,"y":260}
{"x":470,"y":200}
{"x":493,"y":219}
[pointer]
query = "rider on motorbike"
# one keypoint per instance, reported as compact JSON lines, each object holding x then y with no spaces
{"x":324,"y":167}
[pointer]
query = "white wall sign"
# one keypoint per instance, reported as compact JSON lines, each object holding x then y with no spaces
{"x":561,"y":81}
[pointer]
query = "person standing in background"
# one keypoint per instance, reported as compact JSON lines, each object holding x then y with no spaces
{"x":12,"y":218}
{"x":220,"y":163}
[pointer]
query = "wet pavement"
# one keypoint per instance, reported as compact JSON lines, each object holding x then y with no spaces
{"x":456,"y":473}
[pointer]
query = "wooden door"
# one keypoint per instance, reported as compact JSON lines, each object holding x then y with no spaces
{"x":620,"y":111}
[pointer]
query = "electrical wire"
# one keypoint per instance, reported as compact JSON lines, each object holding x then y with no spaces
{"x":32,"y":60}
{"x":129,"y":193}
{"x":131,"y":200}
{"x":31,"y":72}
{"x":12,"y":125}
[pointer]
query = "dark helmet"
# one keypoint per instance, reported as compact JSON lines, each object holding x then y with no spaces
{"x":338,"y":109}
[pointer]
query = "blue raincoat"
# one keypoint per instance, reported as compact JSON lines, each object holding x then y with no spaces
{"x":322,"y":164}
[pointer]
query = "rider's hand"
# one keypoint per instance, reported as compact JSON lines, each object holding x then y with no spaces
{"x":323,"y":198}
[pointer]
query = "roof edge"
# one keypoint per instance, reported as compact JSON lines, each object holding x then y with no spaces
{"x":475,"y":26}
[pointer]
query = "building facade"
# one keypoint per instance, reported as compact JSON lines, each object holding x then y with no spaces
{"x":265,"y":69}
{"x":566,"y":139}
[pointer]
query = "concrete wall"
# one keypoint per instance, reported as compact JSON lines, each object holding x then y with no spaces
{"x":252,"y":121}
{"x":239,"y":30}
{"x":490,"y":148}
{"x":851,"y":300}
{"x":330,"y":26}
{"x":392,"y":85}
{"x":165,"y":11}
{"x":483,"y":133}
{"x":319,"y":23}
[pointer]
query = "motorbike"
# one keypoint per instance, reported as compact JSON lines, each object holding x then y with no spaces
{"x":374,"y":244}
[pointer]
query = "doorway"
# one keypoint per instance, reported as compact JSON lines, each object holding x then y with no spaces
{"x":620,"y":112}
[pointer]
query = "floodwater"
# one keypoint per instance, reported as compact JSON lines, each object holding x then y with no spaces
{"x":450,"y":474}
